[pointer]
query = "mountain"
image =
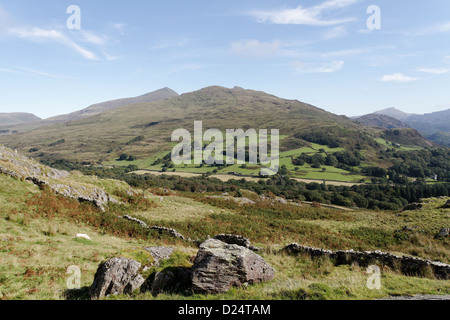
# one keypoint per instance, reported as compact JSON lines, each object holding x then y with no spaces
{"x":381,"y":121}
{"x":142,"y":132}
{"x":11,"y":119}
{"x":434,"y":126}
{"x":98,"y":108}
{"x":106,"y":135}
{"x":394,"y":113}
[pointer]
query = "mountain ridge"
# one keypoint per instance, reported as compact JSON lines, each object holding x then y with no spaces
{"x":434,"y":126}
{"x":15,"y":118}
{"x":97,"y":108}
{"x":144,"y":129}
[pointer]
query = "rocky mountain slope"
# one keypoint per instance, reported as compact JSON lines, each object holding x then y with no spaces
{"x":70,"y":185}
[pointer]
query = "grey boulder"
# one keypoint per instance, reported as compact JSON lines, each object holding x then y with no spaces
{"x":116,"y":276}
{"x":220,"y":266}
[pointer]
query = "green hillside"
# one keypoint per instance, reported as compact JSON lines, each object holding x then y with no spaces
{"x":140,"y":134}
{"x":38,"y":243}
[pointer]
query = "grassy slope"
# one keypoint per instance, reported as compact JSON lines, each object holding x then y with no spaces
{"x":36,"y":251}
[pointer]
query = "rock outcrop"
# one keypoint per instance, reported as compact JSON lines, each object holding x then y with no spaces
{"x":220,"y":266}
{"x":116,"y":276}
{"x":170,"y":231}
{"x":407,"y":265}
{"x":20,"y":167}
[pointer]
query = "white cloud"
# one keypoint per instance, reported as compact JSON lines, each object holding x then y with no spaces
{"x":41,"y":35}
{"x":305,"y":16}
{"x":398,"y":77}
{"x":92,"y":38}
{"x":325,"y":67}
{"x":433,"y":71}
{"x":255,"y":48}
{"x":120,"y":27}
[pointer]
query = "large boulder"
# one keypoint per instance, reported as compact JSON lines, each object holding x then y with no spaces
{"x":446,"y":205}
{"x":116,"y":276}
{"x":220,"y":266}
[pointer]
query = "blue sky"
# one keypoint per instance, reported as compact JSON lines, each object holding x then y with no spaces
{"x":316,"y":51}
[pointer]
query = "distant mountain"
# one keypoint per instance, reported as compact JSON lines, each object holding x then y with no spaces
{"x":144,"y":129}
{"x":394,"y":113}
{"x":434,"y":126}
{"x":98,"y":108}
{"x":381,"y":121}
{"x":10,"y":119}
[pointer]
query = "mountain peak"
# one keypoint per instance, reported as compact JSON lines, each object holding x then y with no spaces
{"x":394,"y":113}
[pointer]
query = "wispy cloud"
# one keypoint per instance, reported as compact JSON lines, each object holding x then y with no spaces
{"x":312,"y":16}
{"x":78,"y":40}
{"x":398,"y":77}
{"x":255,"y":48}
{"x":437,"y":28}
{"x":120,"y":27}
{"x":433,"y":71}
{"x":29,"y":72}
{"x":322,"y":67}
{"x":40,"y":35}
{"x":92,"y":38}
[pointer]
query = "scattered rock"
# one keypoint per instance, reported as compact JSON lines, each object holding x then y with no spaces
{"x":445,"y":232}
{"x":140,"y":222}
{"x":407,"y":265}
{"x":116,"y":276}
{"x":220,"y":266}
{"x":173,"y":232}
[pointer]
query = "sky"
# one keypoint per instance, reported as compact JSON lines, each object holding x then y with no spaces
{"x":339,"y":55}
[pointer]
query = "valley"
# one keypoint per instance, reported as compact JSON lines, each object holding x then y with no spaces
{"x":340,"y":186}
